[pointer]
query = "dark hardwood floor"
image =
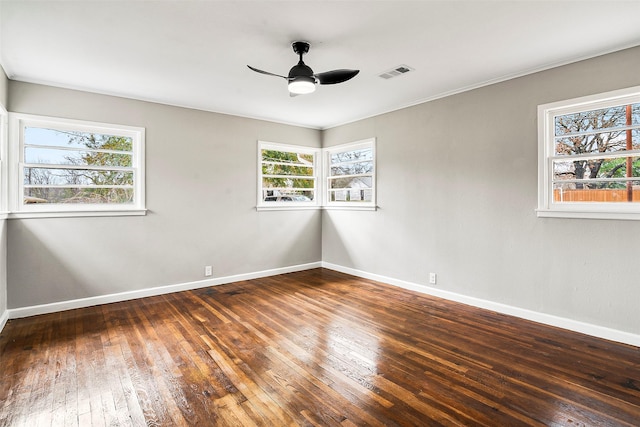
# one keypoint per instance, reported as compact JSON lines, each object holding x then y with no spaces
{"x":315,"y":348}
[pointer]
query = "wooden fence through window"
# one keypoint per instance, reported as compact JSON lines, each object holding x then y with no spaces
{"x":594,"y":195}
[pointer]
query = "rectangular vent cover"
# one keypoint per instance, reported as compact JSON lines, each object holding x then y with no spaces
{"x":395,"y":72}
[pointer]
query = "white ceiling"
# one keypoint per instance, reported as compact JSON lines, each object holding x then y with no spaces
{"x":194,"y":53}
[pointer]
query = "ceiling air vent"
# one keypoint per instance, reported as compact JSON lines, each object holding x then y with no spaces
{"x":395,"y":72}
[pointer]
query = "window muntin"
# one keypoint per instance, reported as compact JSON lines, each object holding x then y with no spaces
{"x":287,"y":175}
{"x":590,"y":156}
{"x":350,"y":174}
{"x":68,"y":165}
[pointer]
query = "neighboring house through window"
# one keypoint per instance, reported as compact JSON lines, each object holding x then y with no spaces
{"x":350,"y":175}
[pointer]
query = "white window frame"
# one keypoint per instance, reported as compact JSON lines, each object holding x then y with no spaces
{"x":18,"y":209}
{"x":547,"y":207}
{"x":289,"y":205}
{"x":353,"y":146}
{"x":4,"y":186}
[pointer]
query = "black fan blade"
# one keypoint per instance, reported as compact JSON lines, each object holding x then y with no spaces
{"x":265,"y":72}
{"x":335,"y":76}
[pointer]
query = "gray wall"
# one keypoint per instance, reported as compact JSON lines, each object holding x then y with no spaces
{"x":457,"y":189}
{"x":201,"y":196}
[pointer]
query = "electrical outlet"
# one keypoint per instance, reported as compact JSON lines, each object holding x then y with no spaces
{"x":208,"y":270}
{"x":433,"y":278}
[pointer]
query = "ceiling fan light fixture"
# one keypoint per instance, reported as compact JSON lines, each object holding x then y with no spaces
{"x":302,"y":85}
{"x":302,"y":80}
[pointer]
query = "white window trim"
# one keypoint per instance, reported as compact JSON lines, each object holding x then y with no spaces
{"x":350,"y":205}
{"x":271,"y":206}
{"x":546,"y":150}
{"x":4,"y":182}
{"x":17,"y":209}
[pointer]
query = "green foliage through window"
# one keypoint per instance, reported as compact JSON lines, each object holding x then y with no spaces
{"x":287,"y":176}
{"x":77,"y":167}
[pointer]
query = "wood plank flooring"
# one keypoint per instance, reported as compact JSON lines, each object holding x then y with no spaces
{"x":314,"y":348}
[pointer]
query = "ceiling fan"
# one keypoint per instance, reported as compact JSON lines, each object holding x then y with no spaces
{"x":302,"y":79}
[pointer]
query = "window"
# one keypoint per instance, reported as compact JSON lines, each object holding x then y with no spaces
{"x":287,"y":176}
{"x":66,"y":166}
{"x":350,"y":175}
{"x":589,"y":162}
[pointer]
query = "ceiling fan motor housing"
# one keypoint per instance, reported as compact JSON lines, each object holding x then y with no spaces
{"x":300,"y":70}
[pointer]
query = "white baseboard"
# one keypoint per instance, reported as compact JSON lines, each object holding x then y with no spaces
{"x":4,"y":317}
{"x":547,"y":319}
{"x":16,"y":313}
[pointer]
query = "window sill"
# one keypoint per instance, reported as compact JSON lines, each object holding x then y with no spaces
{"x":546,"y":213}
{"x":67,"y":214}
{"x":287,"y":208}
{"x":303,"y":208}
{"x":350,"y":208}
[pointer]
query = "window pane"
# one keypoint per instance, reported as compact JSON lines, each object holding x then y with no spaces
{"x":78,"y":195}
{"x":596,"y":168}
{"x":45,"y":176}
{"x":352,"y":168}
{"x":602,"y":142}
{"x":76,"y":139}
{"x":287,"y":157}
{"x":595,"y":119}
{"x":350,"y":156}
{"x":287,"y":176}
{"x":351,"y":174}
{"x":75,"y":162}
{"x":351,"y":195}
{"x":66,"y":157}
{"x":289,"y":196}
{"x":353,"y":182}
{"x":287,"y":183}
{"x":279,"y":169}
{"x":597,"y":192}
